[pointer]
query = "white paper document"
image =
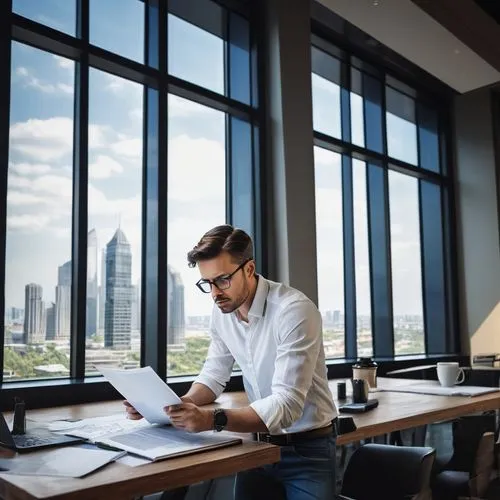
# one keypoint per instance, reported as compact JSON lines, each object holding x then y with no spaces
{"x":143,"y":389}
{"x":160,"y":442}
{"x":438,"y":390}
{"x":98,"y":427}
{"x":72,"y":461}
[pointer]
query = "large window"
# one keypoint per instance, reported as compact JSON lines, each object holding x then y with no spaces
{"x":126,"y":142}
{"x":380,"y":188}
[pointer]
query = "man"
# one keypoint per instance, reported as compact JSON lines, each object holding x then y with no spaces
{"x":274,"y":333}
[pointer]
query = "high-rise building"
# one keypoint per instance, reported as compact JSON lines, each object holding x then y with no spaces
{"x":118,"y":308}
{"x":63,"y":311}
{"x":50,"y":332}
{"x":136,"y":307}
{"x":63,"y":302}
{"x":176,"y":323}
{"x":92,"y":288}
{"x":64,"y":274}
{"x":34,"y":314}
{"x":102,"y":291}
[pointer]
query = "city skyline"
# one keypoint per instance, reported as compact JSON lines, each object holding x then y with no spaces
{"x":120,"y":310}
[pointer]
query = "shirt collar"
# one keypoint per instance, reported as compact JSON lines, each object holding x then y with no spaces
{"x":258,"y":307}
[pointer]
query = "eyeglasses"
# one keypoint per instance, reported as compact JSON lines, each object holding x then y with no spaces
{"x":222,"y":282}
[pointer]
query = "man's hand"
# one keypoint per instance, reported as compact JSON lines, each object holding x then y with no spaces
{"x":132,"y":413}
{"x":187,"y":416}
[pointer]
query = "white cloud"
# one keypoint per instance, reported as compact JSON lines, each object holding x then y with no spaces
{"x":29,"y":168}
{"x":28,"y":222}
{"x":326,"y":157}
{"x":43,"y":140}
{"x":63,"y":62}
{"x":183,"y":108}
{"x":136,"y":113}
{"x":128,"y":148}
{"x":32,"y":81}
{"x":196,"y":169}
{"x":104,"y":167}
{"x":18,"y":198}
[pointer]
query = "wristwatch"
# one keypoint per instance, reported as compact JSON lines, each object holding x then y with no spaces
{"x":220,"y":419}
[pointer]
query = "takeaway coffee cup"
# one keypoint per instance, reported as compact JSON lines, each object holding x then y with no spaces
{"x":366,"y":369}
{"x":450,"y":374}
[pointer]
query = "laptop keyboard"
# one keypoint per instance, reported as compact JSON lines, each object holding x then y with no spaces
{"x":26,"y":441}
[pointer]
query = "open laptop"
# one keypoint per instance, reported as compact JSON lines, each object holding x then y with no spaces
{"x":32,"y":441}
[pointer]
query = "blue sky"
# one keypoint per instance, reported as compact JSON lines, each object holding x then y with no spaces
{"x":40,"y":173}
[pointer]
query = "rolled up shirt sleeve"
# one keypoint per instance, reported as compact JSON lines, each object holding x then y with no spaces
{"x":218,"y":366}
{"x":299,"y":334}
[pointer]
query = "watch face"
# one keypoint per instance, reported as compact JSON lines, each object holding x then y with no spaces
{"x":220,"y":420}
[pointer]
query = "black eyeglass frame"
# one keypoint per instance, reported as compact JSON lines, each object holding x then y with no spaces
{"x":227,"y":278}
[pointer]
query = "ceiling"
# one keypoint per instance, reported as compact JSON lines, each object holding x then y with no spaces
{"x":491,"y":7}
{"x":434,"y":35}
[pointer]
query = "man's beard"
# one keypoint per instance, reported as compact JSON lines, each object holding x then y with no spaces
{"x":227,"y":305}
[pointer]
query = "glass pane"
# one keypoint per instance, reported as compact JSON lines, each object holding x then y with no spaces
{"x":123,"y":36}
{"x":428,"y":136}
{"x":362,"y":260}
{"x":401,"y":128}
{"x":196,"y":178}
{"x":406,"y":265}
{"x":57,"y":14}
{"x":39,"y":202}
{"x":114,"y":205}
{"x":195,"y":55}
{"x":326,"y":106}
{"x":329,"y":242}
{"x":357,"y":112}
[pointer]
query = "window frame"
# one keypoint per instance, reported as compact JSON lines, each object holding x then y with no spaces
{"x":375,"y":79}
{"x":158,"y":84}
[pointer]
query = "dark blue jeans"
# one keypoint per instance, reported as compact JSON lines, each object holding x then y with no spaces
{"x":306,"y":471}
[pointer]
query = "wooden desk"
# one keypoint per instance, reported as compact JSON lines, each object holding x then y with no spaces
{"x":396,"y":411}
{"x":123,"y":482}
{"x":399,"y":411}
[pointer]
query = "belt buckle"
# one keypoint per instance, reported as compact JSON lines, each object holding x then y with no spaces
{"x":264,"y":437}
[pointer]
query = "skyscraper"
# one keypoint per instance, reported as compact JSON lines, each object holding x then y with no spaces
{"x":175,"y":308}
{"x":63,"y":302}
{"x":50,"y":333}
{"x":102,"y":291}
{"x":136,"y":307}
{"x":34,"y":314}
{"x":92,"y":290}
{"x":118,"y":308}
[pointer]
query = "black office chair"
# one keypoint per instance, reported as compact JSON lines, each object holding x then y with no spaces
{"x":388,"y":472}
{"x":468,"y":471}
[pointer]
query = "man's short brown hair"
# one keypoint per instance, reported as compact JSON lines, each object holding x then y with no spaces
{"x":220,"y":239}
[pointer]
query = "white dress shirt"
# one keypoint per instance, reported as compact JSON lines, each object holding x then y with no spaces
{"x":281,"y":355}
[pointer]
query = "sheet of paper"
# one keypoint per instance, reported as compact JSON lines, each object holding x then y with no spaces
{"x":70,"y":461}
{"x":438,"y":390}
{"x":143,"y":389}
{"x":96,"y":428}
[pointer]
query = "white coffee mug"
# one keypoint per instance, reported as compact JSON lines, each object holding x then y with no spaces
{"x":450,"y":374}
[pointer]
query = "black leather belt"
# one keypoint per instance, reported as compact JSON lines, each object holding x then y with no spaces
{"x":296,"y":437}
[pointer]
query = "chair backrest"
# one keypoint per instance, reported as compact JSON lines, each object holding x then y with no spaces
{"x":389,"y":472}
{"x":467,"y":434}
{"x":483,"y":465}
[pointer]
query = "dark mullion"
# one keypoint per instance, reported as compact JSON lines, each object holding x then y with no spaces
{"x":5,"y":70}
{"x":350,"y":307}
{"x":379,"y":250}
{"x":154,"y":321}
{"x":448,"y":209}
{"x":193,"y":92}
{"x":80,"y":199}
{"x":338,"y":146}
{"x":257,"y":92}
{"x":228,"y":119}
{"x":350,"y":316}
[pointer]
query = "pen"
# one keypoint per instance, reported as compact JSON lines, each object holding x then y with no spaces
{"x":107,"y":447}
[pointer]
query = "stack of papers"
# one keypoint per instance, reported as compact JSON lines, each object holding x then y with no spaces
{"x":73,"y":461}
{"x":438,"y":390}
